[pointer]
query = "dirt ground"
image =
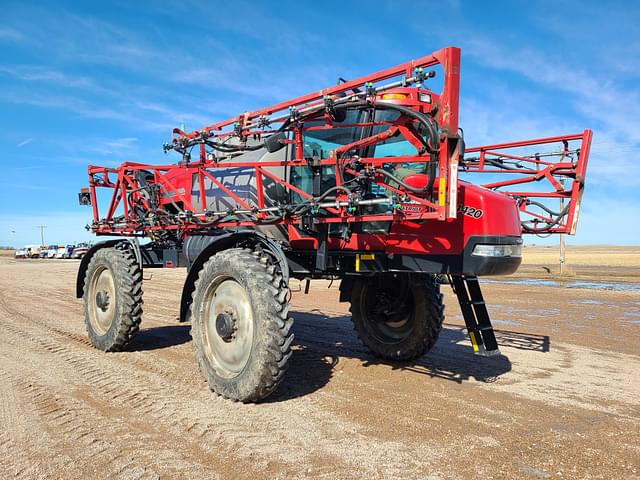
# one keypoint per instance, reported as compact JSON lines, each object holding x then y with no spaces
{"x":563,"y":400}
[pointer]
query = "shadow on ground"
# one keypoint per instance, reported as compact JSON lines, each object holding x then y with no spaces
{"x":155,"y":338}
{"x":320,"y":340}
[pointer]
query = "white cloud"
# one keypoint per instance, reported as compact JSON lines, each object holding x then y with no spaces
{"x":38,"y":73}
{"x":7,"y":33}
{"x":601,"y":98}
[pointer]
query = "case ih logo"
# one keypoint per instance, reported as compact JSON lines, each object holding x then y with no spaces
{"x":470,"y":211}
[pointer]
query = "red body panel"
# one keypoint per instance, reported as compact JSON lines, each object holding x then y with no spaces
{"x":481,"y":212}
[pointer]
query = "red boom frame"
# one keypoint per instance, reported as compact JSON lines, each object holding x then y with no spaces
{"x":126,"y":188}
{"x":547,"y":171}
{"x":171,"y":185}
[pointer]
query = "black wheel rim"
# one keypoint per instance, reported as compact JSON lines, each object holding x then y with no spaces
{"x":388,"y":309}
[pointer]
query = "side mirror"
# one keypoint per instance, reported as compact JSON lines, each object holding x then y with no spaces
{"x":84,"y":197}
{"x":275,"y":142}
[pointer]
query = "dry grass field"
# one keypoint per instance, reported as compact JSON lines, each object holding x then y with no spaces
{"x":590,"y":262}
{"x":603,"y":256}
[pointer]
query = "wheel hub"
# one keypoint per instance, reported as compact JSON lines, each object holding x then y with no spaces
{"x":102,"y":300}
{"x":388,"y":310}
{"x":226,"y":326}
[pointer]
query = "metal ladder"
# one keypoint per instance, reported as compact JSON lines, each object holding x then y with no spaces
{"x":476,"y":316}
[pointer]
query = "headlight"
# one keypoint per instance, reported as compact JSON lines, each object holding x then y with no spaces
{"x":497,"y":251}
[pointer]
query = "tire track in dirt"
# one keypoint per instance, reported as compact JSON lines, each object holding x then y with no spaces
{"x":238,"y":431}
{"x":149,"y":402}
{"x":27,"y":450}
{"x":113,"y":438}
{"x":97,"y":445}
{"x":160,"y":363}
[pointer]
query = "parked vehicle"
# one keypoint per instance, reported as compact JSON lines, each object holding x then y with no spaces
{"x":68,"y":251}
{"x":51,"y":252}
{"x":60,"y":251}
{"x":31,"y":251}
{"x":20,"y":253}
{"x":80,"y":250}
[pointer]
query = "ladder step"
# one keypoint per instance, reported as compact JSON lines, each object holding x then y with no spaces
{"x":476,"y":317}
{"x":487,"y":353}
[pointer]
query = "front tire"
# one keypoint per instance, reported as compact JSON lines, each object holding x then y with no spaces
{"x":397,"y":316}
{"x":241,"y":325}
{"x":112,"y":298}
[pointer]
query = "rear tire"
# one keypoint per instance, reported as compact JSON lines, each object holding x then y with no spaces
{"x":112,"y":298}
{"x":397,"y":316}
{"x":240,"y":325}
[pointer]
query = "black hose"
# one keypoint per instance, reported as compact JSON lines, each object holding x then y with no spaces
{"x":545,"y":208}
{"x":332,"y":189}
{"x":233,"y":148}
{"x":555,"y":222}
{"x":423,"y":119}
{"x":498,"y":163}
{"x":308,"y":204}
{"x":347,"y":104}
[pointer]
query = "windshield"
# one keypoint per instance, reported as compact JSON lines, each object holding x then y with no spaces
{"x":320,"y":141}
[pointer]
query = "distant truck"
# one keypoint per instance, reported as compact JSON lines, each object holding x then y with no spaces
{"x":80,"y":250}
{"x":51,"y":251}
{"x":31,"y":251}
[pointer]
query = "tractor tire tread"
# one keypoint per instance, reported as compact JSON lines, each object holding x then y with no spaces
{"x":127,"y":276}
{"x":268,"y":362}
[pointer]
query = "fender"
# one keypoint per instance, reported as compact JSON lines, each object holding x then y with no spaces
{"x":82,"y":270}
{"x":217,"y":243}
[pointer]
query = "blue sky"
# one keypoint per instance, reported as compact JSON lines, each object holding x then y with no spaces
{"x":105,"y":82}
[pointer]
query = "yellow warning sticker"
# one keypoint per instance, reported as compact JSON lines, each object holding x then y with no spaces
{"x":474,"y":342}
{"x":442,"y":194}
{"x":363,"y":256}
